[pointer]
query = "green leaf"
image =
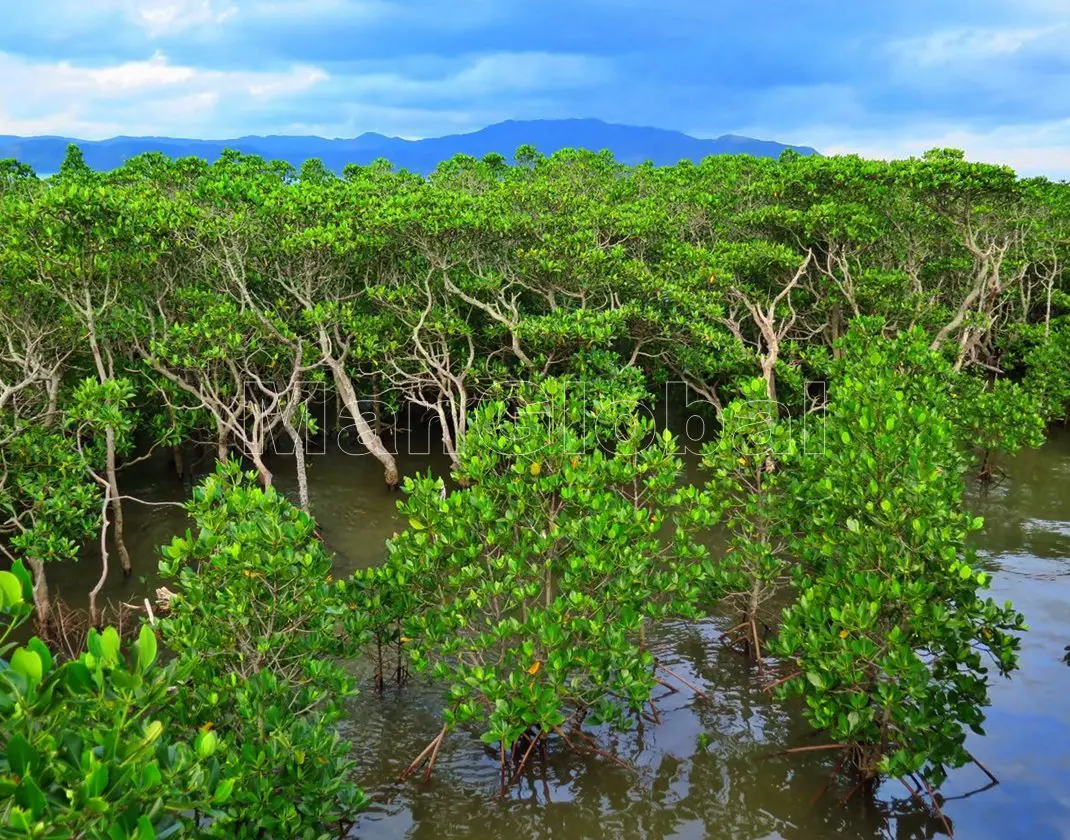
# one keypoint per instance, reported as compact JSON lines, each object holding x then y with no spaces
{"x":10,"y":590}
{"x":223,"y":791}
{"x":146,"y":648}
{"x":153,"y":731}
{"x":24,"y":578}
{"x":29,"y":795}
{"x":97,"y":782}
{"x":109,"y":645}
{"x":41,"y":649}
{"x":20,"y":755}
{"x":206,"y":744}
{"x":28,"y":663}
{"x":150,"y":776}
{"x":145,"y":831}
{"x":78,"y":677}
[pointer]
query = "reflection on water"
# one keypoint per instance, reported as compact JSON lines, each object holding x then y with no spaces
{"x":1027,"y":542}
{"x":706,"y":770}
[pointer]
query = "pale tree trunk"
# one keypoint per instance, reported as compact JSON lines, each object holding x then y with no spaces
{"x":769,"y":372}
{"x":222,"y":442}
{"x":752,"y":620}
{"x":113,"y":482}
{"x":299,"y":457}
{"x":41,"y":602}
{"x":116,"y":504}
{"x":956,"y":321}
{"x":256,"y":455}
{"x":52,"y":386}
{"x":835,"y":330}
{"x":772,"y":329}
{"x":377,"y":429}
{"x":365,"y":433}
{"x":447,"y":438}
{"x":94,"y":613}
{"x":1050,"y":290}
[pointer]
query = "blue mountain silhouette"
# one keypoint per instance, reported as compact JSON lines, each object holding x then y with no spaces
{"x":629,"y":144}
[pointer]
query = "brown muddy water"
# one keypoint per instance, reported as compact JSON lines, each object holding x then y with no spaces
{"x":706,"y":770}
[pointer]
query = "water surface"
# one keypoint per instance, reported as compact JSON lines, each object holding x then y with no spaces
{"x":708,"y":769}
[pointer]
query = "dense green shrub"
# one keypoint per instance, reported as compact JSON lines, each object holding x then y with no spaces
{"x":256,"y":620}
{"x":531,"y":584}
{"x":89,"y":749}
{"x":890,"y":634}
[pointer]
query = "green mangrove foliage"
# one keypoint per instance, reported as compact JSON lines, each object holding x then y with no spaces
{"x":890,"y":635}
{"x":752,"y":493}
{"x":860,"y":336}
{"x":88,"y":749}
{"x":255,"y":595}
{"x":234,"y":736}
{"x":530,"y":586}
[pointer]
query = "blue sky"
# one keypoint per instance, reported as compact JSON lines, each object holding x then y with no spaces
{"x":875,"y":77}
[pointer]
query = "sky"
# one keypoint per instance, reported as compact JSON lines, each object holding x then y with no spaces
{"x":880,"y":78}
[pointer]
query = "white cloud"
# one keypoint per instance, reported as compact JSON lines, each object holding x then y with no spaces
{"x":300,"y":79}
{"x":955,"y":46}
{"x":160,"y":97}
{"x":156,"y":18}
{"x":1042,"y":149}
{"x":68,"y":122}
{"x":152,"y":96}
{"x":129,"y":76}
{"x":304,"y":10}
{"x":169,"y":17}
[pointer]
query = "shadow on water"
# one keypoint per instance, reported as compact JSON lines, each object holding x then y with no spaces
{"x":706,"y":770}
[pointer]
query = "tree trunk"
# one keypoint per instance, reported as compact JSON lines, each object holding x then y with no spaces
{"x":769,"y":373}
{"x":1047,"y":308}
{"x":52,"y":386}
{"x":104,"y":375}
{"x":41,"y":601}
{"x":447,"y":439}
{"x":94,"y":613}
{"x":368,"y":438}
{"x":835,"y":328}
{"x":261,"y":468}
{"x":116,"y":505}
{"x":377,"y":429}
{"x":222,"y":442}
{"x":179,"y":460}
{"x":299,"y":457}
{"x":339,"y":407}
{"x":960,"y":315}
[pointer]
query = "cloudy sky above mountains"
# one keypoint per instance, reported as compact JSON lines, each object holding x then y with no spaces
{"x":880,"y":78}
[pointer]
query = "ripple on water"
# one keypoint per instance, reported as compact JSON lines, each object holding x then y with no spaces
{"x":724,"y":785}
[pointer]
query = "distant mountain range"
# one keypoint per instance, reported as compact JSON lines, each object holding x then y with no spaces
{"x":629,"y":144}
